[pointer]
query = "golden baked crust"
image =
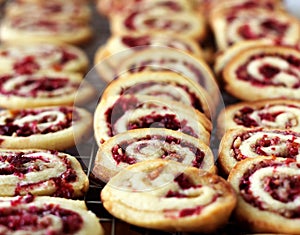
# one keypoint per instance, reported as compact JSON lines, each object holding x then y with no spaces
{"x":45,"y":214}
{"x":56,"y":128}
{"x":167,"y":195}
{"x":272,"y":113}
{"x":263,"y":72}
{"x":267,"y":200}
{"x":41,"y":172}
{"x":139,"y":145}
{"x":117,"y":114}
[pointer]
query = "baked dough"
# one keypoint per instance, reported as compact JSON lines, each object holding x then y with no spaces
{"x":166,"y":85}
{"x":56,"y":128}
{"x":43,"y":89}
{"x":36,"y":29}
{"x":44,"y":215}
{"x":239,"y":144}
{"x":230,"y":25}
{"x":139,"y":145}
{"x":264,"y":72}
{"x":223,"y":57}
{"x":55,"y":9}
{"x":117,"y":114}
{"x":112,"y":7}
{"x":41,"y":172}
{"x":167,"y":195}
{"x":160,"y":20}
{"x":268,"y":195}
{"x":168,"y":59}
{"x":273,"y":113}
{"x":120,"y":47}
{"x":30,"y":57}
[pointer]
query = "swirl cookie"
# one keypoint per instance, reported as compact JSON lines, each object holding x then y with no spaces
{"x":118,"y":114}
{"x":43,"y":89}
{"x":41,"y":172}
{"x":120,"y":47}
{"x":46,"y":215}
{"x":139,"y":145}
{"x":239,"y":144}
{"x":160,"y":20}
{"x":56,"y":9}
{"x":225,"y":56}
{"x":264,"y":72}
{"x":57,"y":128}
{"x":167,"y":195}
{"x":275,"y":114}
{"x":231,"y":26}
{"x":165,"y":85}
{"x":268,"y":194}
{"x":113,"y":7}
{"x":30,"y":57}
{"x":168,"y":59}
{"x":36,"y":29}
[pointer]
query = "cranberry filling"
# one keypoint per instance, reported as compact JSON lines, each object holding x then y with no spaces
{"x":291,"y":150}
{"x":242,"y":116}
{"x":168,"y":121}
{"x":18,"y":219}
{"x":42,"y":84}
{"x":130,"y":41}
{"x":119,"y":156}
{"x":282,"y":188}
{"x":62,"y":182}
{"x":184,"y":182}
{"x":31,"y":128}
{"x":129,"y":21}
{"x":268,"y":71}
{"x":136,"y":88}
{"x":166,"y":24}
{"x":26,"y":65}
{"x":17,"y":163}
{"x":274,"y":26}
{"x":119,"y":151}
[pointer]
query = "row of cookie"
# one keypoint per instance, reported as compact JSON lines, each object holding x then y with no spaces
{"x":29,"y":175}
{"x":153,"y":149}
{"x":259,"y":152}
{"x":53,"y":21}
{"x":35,"y":75}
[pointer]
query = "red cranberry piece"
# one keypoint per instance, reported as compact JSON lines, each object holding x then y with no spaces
{"x":274,"y":26}
{"x":136,"y":41}
{"x":26,"y":65}
{"x":268,"y":71}
{"x":184,"y":181}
